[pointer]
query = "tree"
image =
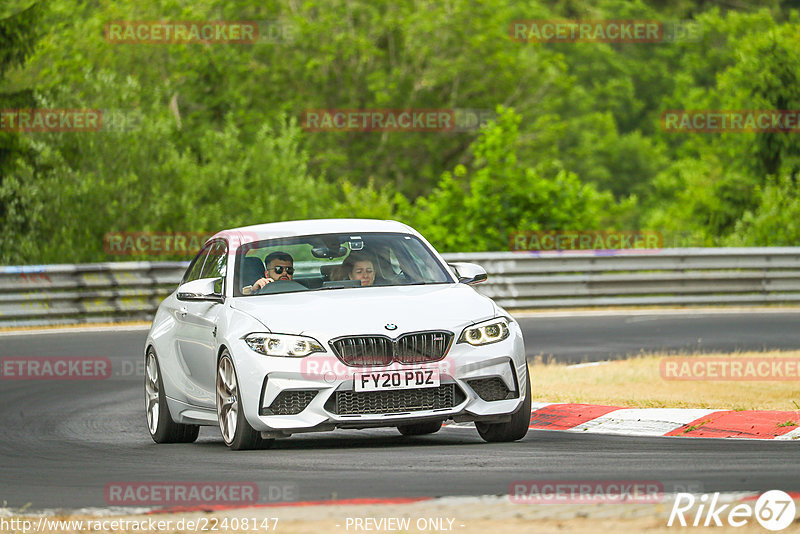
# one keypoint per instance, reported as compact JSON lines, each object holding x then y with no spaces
{"x":480,"y":207}
{"x":774,"y":222}
{"x":19,"y":32}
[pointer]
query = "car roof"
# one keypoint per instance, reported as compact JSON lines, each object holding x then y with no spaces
{"x":259,"y":232}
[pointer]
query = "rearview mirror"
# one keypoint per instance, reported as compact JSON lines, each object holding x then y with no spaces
{"x":328,"y":252}
{"x":469,"y":273}
{"x":202,"y":289}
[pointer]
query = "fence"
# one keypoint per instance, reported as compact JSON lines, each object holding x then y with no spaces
{"x":675,"y":277}
{"x":95,"y":292}
{"x":104,"y":292}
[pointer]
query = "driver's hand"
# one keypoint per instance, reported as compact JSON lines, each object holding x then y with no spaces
{"x":261,"y":282}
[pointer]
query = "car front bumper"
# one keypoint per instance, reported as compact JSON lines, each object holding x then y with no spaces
{"x":477,"y":384}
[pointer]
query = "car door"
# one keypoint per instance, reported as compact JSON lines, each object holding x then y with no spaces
{"x":196,"y":331}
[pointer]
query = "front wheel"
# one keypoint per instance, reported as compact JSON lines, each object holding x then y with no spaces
{"x":514,"y":429}
{"x":236,"y":431}
{"x":162,"y":428}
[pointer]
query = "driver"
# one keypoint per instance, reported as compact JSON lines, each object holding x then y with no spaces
{"x":279,"y":266}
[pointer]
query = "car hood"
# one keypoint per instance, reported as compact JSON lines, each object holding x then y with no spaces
{"x":331,"y":313}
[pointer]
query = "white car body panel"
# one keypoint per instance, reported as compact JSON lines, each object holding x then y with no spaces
{"x":188,"y":337}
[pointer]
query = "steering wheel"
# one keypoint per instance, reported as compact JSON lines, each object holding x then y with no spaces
{"x":262,"y":290}
{"x":284,"y":286}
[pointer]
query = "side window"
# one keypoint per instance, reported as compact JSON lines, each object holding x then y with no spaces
{"x":394,"y":263}
{"x":216,"y":264}
{"x":423,"y":261}
{"x":193,"y":272}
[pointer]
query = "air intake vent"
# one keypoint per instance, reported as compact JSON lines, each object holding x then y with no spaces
{"x":492,"y":389}
{"x":397,"y":401}
{"x":290,"y":402}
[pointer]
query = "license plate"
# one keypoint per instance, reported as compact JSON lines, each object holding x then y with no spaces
{"x":389,"y":380}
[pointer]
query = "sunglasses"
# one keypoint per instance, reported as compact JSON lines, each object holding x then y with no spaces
{"x":280,"y":268}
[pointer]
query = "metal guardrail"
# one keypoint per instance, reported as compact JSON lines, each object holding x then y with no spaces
{"x":85,"y":293}
{"x":106,"y":292}
{"x":676,"y":277}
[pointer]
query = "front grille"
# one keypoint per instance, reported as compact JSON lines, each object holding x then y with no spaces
{"x":406,"y":400}
{"x":419,"y":347}
{"x":290,"y":402}
{"x":422,"y":347}
{"x":364,"y":350}
{"x":491,"y":389}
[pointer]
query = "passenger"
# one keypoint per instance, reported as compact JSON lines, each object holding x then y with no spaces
{"x":279,"y":266}
{"x":359,"y":266}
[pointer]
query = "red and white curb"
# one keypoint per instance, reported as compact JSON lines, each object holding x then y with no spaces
{"x":697,"y":423}
{"x":680,"y":422}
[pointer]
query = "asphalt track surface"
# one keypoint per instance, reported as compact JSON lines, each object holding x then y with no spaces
{"x":588,"y":338}
{"x":62,"y":442}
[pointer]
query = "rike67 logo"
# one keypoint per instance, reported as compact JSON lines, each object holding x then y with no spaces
{"x":774,"y":510}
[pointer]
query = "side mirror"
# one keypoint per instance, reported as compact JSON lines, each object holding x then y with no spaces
{"x":202,"y":289}
{"x":469,"y":273}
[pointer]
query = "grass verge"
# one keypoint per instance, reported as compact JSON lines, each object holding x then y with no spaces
{"x":638,"y":382}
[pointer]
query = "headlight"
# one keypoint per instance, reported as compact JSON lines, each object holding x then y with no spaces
{"x":484,"y":333}
{"x":283,"y":345}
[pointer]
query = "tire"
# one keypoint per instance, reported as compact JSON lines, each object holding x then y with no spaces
{"x":159,"y":421}
{"x":420,"y":429}
{"x":514,"y":429}
{"x":236,"y":431}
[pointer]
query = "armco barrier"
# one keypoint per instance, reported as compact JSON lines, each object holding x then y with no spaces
{"x":95,"y":292}
{"x":676,"y":277}
{"x":55,"y":294}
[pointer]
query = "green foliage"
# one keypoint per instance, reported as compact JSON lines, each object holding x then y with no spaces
{"x":479,"y":208}
{"x":767,"y":76}
{"x":713,"y":186}
{"x":18,"y":34}
{"x":142,"y":180}
{"x":19,"y":30}
{"x":216,"y":139}
{"x":776,"y":219}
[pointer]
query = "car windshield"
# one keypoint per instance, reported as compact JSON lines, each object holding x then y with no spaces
{"x":336,"y":261}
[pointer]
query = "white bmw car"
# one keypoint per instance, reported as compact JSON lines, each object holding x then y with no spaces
{"x":308,"y":326}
